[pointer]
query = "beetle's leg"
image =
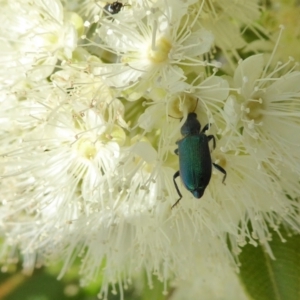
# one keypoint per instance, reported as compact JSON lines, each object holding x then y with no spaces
{"x":177,"y":189}
{"x":212,"y":137}
{"x":222,"y":171}
{"x":206,"y":127}
{"x":176,"y":151}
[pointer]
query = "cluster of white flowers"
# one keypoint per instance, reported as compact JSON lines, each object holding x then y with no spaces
{"x":90,"y":109}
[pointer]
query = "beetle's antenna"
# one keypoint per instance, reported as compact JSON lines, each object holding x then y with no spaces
{"x":196,"y":104}
{"x":174,"y":117}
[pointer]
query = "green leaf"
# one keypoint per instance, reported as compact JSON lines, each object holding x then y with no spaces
{"x":156,"y":292}
{"x":267,"y":279}
{"x":39,"y":286}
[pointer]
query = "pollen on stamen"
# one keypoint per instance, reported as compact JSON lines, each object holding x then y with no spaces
{"x":254,"y":110}
{"x":161,"y":52}
{"x":87,"y":149}
{"x":86,"y":24}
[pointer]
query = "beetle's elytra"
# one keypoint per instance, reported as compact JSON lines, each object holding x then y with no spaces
{"x":113,"y":8}
{"x":195,"y":165}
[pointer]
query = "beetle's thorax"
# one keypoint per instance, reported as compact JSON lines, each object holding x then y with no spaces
{"x":191,"y":125}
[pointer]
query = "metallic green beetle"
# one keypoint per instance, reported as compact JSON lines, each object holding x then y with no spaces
{"x":195,"y":165}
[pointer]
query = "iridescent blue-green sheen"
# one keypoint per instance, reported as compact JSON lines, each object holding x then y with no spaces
{"x":195,"y":164}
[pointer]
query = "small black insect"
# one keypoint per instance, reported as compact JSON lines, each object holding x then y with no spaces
{"x":113,"y":8}
{"x":195,"y":165}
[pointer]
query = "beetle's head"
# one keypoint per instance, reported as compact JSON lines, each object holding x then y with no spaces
{"x":198,"y":193}
{"x":191,"y":125}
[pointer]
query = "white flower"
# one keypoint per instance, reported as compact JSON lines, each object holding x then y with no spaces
{"x":259,"y":143}
{"x":34,"y":38}
{"x":218,"y":17}
{"x":268,"y":112}
{"x":284,"y":15}
{"x":88,"y":172}
{"x":152,"y":46}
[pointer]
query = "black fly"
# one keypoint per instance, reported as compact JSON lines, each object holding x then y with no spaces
{"x":113,"y":8}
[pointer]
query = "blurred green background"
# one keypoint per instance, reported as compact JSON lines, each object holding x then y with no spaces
{"x":44,"y":285}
